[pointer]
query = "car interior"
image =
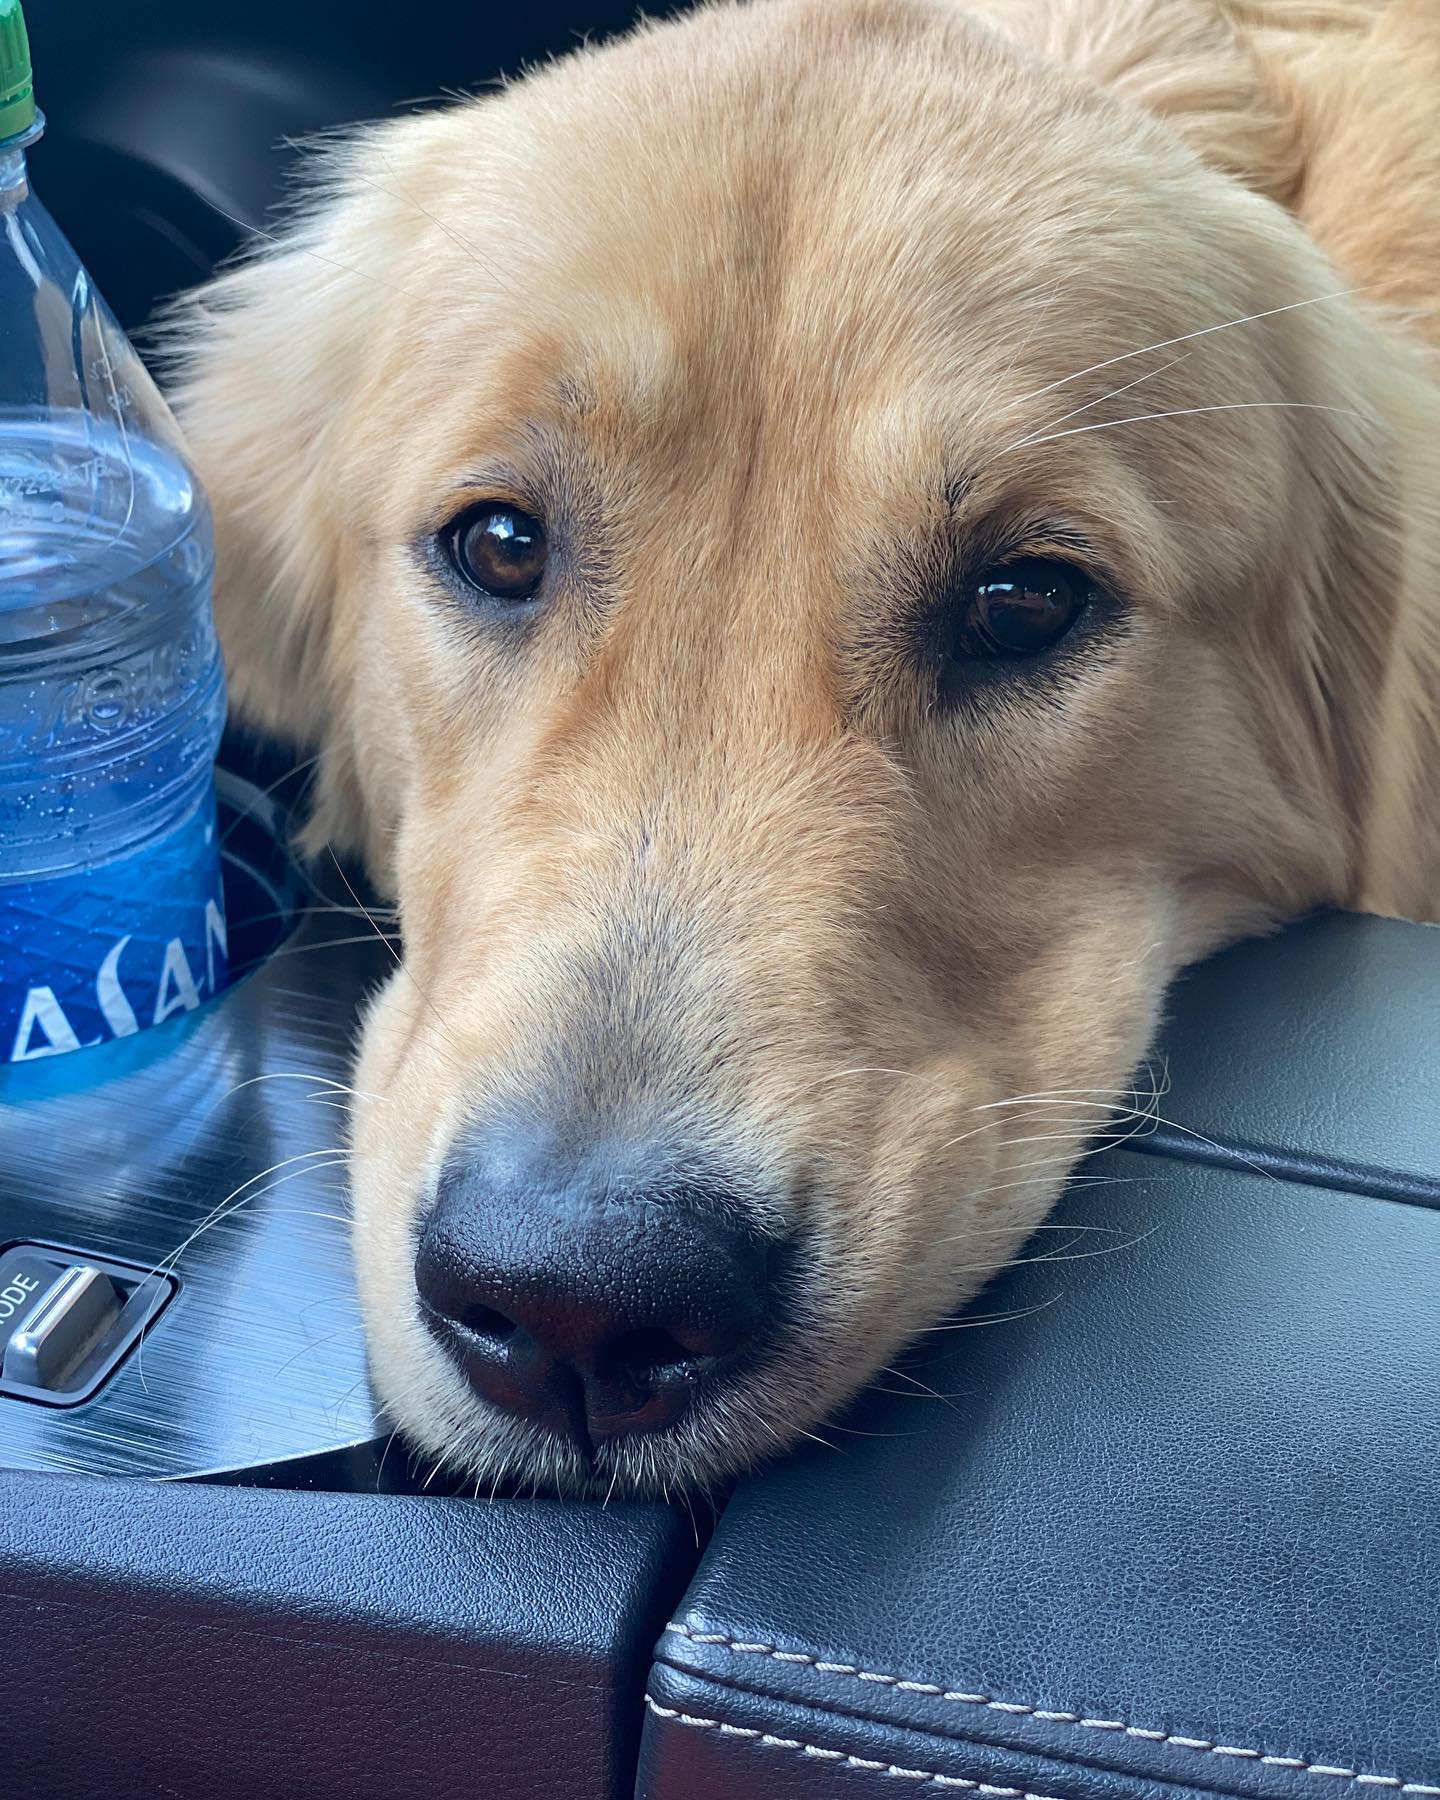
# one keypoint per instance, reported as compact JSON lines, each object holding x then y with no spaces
{"x":1160,"y":1512}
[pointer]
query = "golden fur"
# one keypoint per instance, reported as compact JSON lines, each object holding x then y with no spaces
{"x":761,"y":306}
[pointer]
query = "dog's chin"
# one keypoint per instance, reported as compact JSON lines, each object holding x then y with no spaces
{"x":455,"y":1437}
{"x":490,"y":1454}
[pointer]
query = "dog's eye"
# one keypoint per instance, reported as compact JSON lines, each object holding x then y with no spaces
{"x":497,"y":550}
{"x":1021,"y":608}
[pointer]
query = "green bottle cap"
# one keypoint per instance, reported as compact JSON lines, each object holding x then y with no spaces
{"x":17,"y":94}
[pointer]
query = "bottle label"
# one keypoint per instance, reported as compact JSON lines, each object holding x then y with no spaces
{"x":89,"y":957}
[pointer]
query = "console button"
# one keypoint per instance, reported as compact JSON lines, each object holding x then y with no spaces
{"x":69,"y":1318}
{"x":63,"y":1329}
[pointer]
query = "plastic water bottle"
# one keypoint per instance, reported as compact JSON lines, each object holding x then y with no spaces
{"x":112,"y":693}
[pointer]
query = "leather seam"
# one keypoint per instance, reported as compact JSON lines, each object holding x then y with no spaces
{"x":840,"y":1758}
{"x":1201,"y":1781}
{"x":1372,"y":1181}
{"x":1051,"y":1716}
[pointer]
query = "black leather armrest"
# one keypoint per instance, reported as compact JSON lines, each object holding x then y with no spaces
{"x":229,"y":1642}
{"x":1315,"y":1053}
{"x":1175,"y":1526}
{"x":1178,"y":1530}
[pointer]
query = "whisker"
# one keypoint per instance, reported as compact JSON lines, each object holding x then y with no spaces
{"x":331,"y":944}
{"x":395,"y":957}
{"x":1049,"y":1256}
{"x":1010,"y":1230}
{"x":1001,"y":1318}
{"x":334,"y":1159}
{"x":1090,"y":405}
{"x":1044,"y":1094}
{"x":297,"y":1075}
{"x":1189,"y":337}
{"x":230,"y":1205}
{"x":1074,"y":1135}
{"x":243,"y":816}
{"x":332,"y":909}
{"x":1156,"y":1120}
{"x":855,"y":1431}
{"x":308,"y":1157}
{"x":1185,"y":412}
{"x":825,"y":1444}
{"x":389,"y":1444}
{"x":924,"y":1387}
{"x":1029,"y":1181}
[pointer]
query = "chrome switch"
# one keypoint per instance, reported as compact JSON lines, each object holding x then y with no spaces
{"x":63,"y":1329}
{"x":69,"y":1319}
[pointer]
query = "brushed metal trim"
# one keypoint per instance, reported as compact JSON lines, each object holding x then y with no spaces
{"x":81,"y":1289}
{"x":214,"y":1146}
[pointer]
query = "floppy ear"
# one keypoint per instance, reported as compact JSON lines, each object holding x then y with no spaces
{"x":1356,"y":636}
{"x":266,"y":361}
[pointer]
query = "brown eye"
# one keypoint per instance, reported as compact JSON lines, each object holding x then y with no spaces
{"x":1021,"y":608}
{"x":497,"y":550}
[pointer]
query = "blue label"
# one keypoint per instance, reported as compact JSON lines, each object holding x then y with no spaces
{"x":90,"y":957}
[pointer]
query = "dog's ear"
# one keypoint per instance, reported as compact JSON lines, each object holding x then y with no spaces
{"x":1364,"y":558}
{"x":1335,"y":644}
{"x":265,"y":362}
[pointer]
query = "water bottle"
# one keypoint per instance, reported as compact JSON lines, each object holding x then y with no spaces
{"x":112,"y":692}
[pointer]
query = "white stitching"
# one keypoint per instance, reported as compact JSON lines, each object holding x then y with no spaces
{"x":1065,"y":1718}
{"x":898,"y":1770}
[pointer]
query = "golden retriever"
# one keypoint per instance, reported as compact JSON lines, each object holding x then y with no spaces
{"x":825,"y":548}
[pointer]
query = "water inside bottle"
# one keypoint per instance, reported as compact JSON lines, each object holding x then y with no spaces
{"x":90,"y":516}
{"x":110,"y":686}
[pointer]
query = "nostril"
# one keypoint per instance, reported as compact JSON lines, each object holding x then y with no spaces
{"x":649,"y":1352}
{"x":486,"y":1322}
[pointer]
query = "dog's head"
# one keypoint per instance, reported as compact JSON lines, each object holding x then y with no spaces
{"x":819,"y":552}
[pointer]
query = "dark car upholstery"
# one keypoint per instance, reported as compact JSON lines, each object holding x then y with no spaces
{"x":1171,"y":1520}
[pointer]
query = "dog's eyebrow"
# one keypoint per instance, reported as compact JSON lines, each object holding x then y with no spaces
{"x":576,"y":396}
{"x":956,"y":484}
{"x":496,"y":477}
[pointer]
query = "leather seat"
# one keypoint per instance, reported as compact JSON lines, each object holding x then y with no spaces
{"x":1173,"y":1521}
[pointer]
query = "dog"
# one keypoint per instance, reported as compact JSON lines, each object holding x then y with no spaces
{"x":824,"y":550}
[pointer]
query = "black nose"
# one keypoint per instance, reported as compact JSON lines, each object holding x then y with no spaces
{"x":591,"y":1304}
